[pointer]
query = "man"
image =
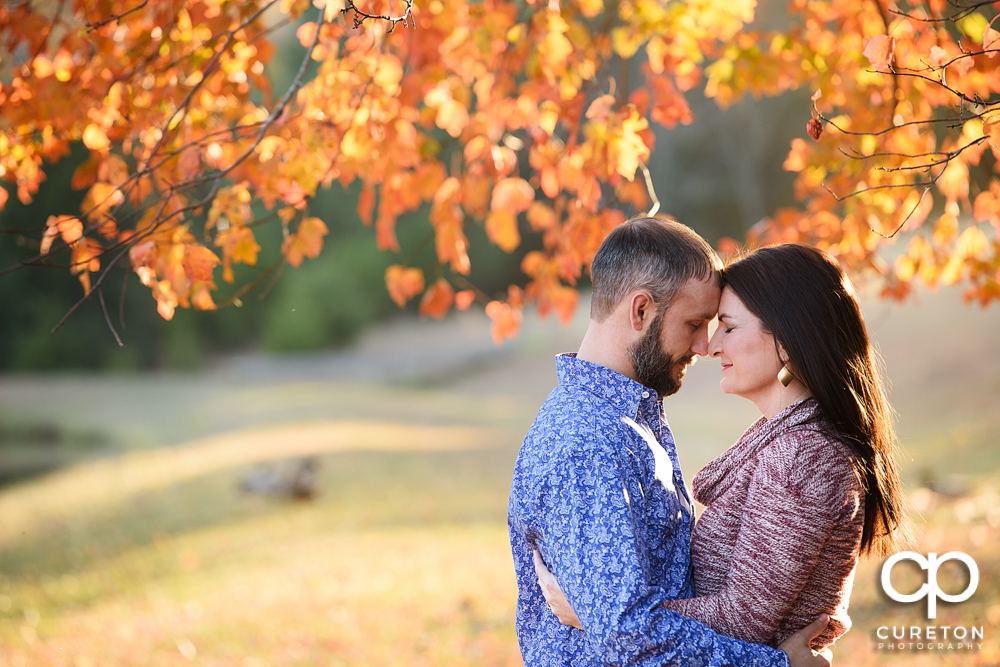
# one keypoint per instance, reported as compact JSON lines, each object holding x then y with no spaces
{"x":610,"y":513}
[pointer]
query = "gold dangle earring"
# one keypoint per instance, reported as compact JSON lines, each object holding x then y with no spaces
{"x":784,"y":375}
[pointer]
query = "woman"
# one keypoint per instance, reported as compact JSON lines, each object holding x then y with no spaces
{"x":809,"y":486}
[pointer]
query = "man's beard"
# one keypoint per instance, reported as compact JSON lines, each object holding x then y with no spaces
{"x":655,"y":368}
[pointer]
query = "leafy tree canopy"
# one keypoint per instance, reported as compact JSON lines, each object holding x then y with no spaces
{"x":519,"y":117}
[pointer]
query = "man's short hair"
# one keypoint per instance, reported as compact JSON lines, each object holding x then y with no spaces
{"x":653,"y":254}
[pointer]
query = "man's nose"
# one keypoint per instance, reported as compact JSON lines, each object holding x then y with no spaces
{"x":700,"y":346}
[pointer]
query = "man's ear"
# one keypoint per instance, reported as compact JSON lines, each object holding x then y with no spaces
{"x":641,"y":310}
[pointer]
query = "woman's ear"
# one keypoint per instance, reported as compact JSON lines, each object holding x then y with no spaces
{"x":782,"y":355}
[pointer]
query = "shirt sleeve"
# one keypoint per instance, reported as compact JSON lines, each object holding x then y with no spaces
{"x":589,"y":542}
{"x":791,"y":506}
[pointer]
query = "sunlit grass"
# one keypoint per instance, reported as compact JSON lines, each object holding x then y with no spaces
{"x":970,"y":524}
{"x":401,"y":560}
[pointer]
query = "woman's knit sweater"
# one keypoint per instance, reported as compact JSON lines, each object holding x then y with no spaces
{"x":778,"y":541}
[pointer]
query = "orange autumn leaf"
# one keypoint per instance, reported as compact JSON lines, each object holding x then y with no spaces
{"x":86,"y":174}
{"x":437,"y":300}
{"x":199,"y":262}
{"x":991,"y":40}
{"x":201,"y":296}
{"x":506,"y":321}
{"x":366,"y":203}
{"x":68,"y":227}
{"x":991,"y":130}
{"x":512,"y":195}
{"x":987,"y":208}
{"x":879,"y":52}
{"x":166,"y":300}
{"x":239,"y":245}
{"x":501,"y":229}
{"x":403,"y":283}
{"x":307,"y":241}
{"x":541,"y":216}
{"x":550,"y":182}
{"x":475,"y":115}
{"x":464,"y":299}
{"x":85,"y":256}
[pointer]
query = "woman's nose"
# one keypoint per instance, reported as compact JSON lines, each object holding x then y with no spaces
{"x":715,"y":345}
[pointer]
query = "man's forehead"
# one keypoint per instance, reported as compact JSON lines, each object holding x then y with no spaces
{"x":698,"y":298}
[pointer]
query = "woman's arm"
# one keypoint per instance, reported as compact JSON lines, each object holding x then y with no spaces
{"x":793,"y":502}
{"x":554,"y":597}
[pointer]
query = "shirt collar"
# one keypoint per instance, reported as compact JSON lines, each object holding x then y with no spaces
{"x":622,"y":392}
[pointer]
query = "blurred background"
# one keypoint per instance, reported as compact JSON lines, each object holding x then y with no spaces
{"x":317,"y":477}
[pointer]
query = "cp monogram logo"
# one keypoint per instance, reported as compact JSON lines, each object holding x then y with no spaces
{"x":930,"y":590}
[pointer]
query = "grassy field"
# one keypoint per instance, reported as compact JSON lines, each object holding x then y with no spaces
{"x":150,"y":554}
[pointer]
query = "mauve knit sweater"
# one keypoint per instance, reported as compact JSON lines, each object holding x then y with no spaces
{"x":778,"y":541}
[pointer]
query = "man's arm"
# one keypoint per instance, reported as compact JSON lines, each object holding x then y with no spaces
{"x":796,"y":647}
{"x":589,"y":542}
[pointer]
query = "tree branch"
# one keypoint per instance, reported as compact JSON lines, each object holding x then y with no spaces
{"x":360,"y":16}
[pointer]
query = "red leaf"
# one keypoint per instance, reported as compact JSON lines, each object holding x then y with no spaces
{"x":815,"y":128}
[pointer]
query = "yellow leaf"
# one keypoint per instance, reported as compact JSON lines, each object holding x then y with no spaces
{"x":43,"y":67}
{"x":630,"y":149}
{"x":95,"y":139}
{"x":954,"y":182}
{"x":971,"y":244}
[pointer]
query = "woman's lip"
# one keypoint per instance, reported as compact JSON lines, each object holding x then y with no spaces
{"x":725,"y":366}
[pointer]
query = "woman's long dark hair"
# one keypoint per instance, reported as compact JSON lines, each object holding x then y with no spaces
{"x":802,"y":296}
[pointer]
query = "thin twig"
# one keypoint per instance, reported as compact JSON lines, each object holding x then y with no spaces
{"x":107,"y":318}
{"x":962,"y":13}
{"x":649,"y":188}
{"x":116,"y":17}
{"x":907,"y":218}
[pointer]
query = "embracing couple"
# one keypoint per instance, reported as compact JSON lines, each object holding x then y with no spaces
{"x":611,"y":567}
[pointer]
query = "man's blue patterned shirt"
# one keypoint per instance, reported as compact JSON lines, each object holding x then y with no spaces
{"x":612,"y":519}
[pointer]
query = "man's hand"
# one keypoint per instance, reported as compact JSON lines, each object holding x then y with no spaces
{"x":797,"y":647}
